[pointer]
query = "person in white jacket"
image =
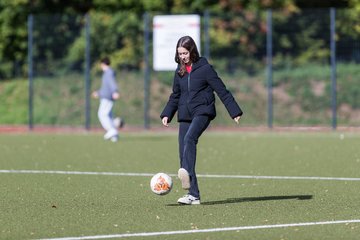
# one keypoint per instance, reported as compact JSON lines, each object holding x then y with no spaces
{"x":107,"y":94}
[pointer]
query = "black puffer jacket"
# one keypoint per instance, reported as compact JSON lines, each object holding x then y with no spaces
{"x":193,"y":94}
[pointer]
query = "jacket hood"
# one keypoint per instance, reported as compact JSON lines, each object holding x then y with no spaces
{"x":201,"y":62}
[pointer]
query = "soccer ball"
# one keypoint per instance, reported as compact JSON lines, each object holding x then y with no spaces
{"x":161,"y":184}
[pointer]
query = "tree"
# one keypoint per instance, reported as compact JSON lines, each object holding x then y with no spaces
{"x":117,"y":29}
{"x":13,"y":37}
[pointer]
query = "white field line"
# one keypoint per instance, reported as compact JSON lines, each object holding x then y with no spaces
{"x":209,"y":230}
{"x":173,"y":175}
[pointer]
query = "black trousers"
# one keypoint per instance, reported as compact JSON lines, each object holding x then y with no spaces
{"x":189,"y":133}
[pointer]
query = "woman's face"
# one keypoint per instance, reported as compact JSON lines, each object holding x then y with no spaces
{"x":184,"y":55}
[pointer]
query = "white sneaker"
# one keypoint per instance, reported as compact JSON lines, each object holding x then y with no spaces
{"x":189,"y":200}
{"x":114,"y":138}
{"x":110,"y":134}
{"x":184,"y":178}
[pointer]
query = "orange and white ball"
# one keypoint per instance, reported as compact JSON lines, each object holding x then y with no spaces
{"x":161,"y":184}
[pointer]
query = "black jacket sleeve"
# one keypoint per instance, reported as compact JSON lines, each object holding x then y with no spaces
{"x":225,"y":96}
{"x":172,"y":104}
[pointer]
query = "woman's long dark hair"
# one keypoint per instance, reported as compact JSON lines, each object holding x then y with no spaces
{"x":189,"y":44}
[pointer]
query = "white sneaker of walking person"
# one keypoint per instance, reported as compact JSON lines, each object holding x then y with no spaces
{"x":111,"y":133}
{"x":114,"y":138}
{"x":189,"y":200}
{"x":184,"y":178}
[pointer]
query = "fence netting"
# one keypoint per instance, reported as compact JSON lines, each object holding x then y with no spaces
{"x":301,"y":68}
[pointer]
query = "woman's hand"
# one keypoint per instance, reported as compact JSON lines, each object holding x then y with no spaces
{"x":237,"y":119}
{"x":164,"y":121}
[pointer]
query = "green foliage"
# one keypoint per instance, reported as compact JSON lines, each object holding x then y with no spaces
{"x":52,"y":43}
{"x":302,"y":96}
{"x":237,"y":38}
{"x":349,"y":92}
{"x":14,"y":102}
{"x":354,"y":15}
{"x":117,"y":35}
{"x":13,"y":37}
{"x":300,"y":36}
{"x":59,"y":100}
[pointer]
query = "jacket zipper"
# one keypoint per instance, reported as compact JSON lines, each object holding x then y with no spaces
{"x":188,"y":98}
{"x":188,"y":82}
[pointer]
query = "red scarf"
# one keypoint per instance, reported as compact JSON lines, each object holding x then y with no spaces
{"x":188,"y":68}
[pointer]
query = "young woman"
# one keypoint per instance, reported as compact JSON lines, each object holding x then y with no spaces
{"x":192,"y":96}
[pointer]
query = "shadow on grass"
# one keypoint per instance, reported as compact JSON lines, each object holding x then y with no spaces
{"x":253,"y":199}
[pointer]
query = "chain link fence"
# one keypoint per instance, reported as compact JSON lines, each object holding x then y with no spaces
{"x":301,"y":91}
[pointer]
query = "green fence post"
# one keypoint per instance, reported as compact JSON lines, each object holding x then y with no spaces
{"x":333,"y":65}
{"x":87,"y":72}
{"x":269,"y":67}
{"x":30,"y":69}
{"x":147,"y":72}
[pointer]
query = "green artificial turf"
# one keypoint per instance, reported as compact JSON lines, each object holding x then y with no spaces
{"x":43,"y":205}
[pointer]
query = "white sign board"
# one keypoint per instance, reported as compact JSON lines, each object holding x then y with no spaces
{"x":167,"y":30}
